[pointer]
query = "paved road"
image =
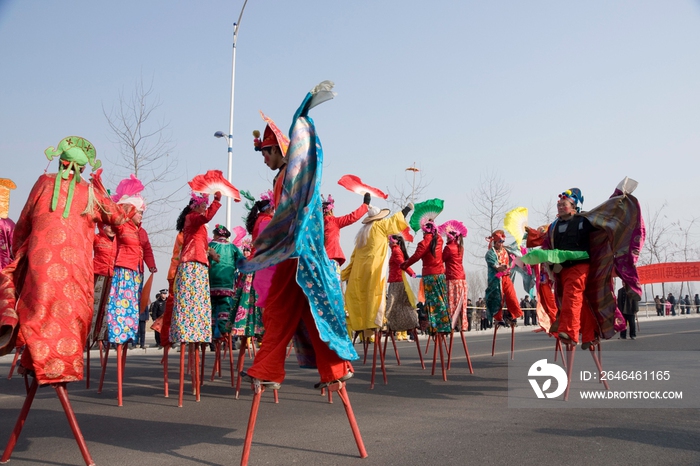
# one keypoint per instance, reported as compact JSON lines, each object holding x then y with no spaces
{"x":414,"y":420}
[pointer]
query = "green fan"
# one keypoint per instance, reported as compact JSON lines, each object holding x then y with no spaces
{"x":425,"y":211}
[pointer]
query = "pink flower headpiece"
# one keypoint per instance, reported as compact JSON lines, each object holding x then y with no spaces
{"x":428,"y":227}
{"x":197,"y":199}
{"x":268,"y":196}
{"x":328,"y":204}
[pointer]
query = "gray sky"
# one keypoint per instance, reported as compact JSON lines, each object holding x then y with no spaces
{"x":552,"y":95}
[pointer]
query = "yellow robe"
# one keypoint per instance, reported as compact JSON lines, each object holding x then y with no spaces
{"x":367,"y":273}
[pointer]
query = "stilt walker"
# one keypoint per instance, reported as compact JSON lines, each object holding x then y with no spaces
{"x":585,"y":248}
{"x":52,"y":269}
{"x":293,"y":242}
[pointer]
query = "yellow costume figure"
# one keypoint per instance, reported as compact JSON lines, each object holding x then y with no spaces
{"x":367,"y":273}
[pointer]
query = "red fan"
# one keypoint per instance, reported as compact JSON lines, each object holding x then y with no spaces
{"x":407,"y":236}
{"x":213,"y":181}
{"x":355,"y":184}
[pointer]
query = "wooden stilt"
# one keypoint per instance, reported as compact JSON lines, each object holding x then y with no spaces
{"x":420,"y":353}
{"x":512,"y":341}
{"x":396,"y":351}
{"x":164,"y":361}
{"x":440,"y":342}
{"x":104,"y":368}
{"x":291,"y":345}
{"x":432,"y":372}
{"x":63,"y":396}
{"x":18,"y":351}
{"x":351,"y":416}
{"x":120,"y":368}
{"x":229,"y":342}
{"x":493,"y":345}
{"x":87,"y":369}
{"x":378,"y":337}
{"x":196,"y":373}
{"x":599,"y":365}
{"x":570,"y":351}
{"x":239,"y":368}
{"x":181,"y":389}
{"x":466,"y":352}
{"x":449,"y":350}
{"x":20,"y":422}
{"x":374,"y":363}
{"x":251,"y":425}
{"x":427,"y":343}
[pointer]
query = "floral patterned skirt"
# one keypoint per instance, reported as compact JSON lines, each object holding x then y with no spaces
{"x":457,"y":299}
{"x":191,"y":321}
{"x":246,"y":316}
{"x":436,"y":303}
{"x":123,"y":305}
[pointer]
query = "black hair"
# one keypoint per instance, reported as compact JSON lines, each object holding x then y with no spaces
{"x":402,"y":245}
{"x":433,"y":242}
{"x":258,"y":207}
{"x":180,"y":224}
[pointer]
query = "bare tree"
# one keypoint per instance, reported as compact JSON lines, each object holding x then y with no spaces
{"x":684,"y":244}
{"x":489,"y":202}
{"x":477,"y":281}
{"x":546,"y":214}
{"x":145,"y":150}
{"x":656,"y":245}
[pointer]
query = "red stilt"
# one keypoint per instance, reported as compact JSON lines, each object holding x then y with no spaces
{"x":104,"y":368}
{"x":420,"y":353}
{"x":427,"y":343}
{"x":365,"y":346}
{"x":493,"y":345}
{"x":253,"y":345}
{"x":291,"y":345}
{"x":374,"y":363}
{"x":378,"y":337}
{"x":200,"y":379}
{"x":512,"y":342}
{"x":432,"y":372}
{"x":466,"y":352}
{"x":251,"y":425}
{"x":330,"y":396}
{"x":166,"y":349}
{"x":20,"y":422}
{"x":570,"y":350}
{"x":229,"y":342}
{"x":181,"y":389}
{"x":120,"y":368}
{"x":100,"y":347}
{"x":449,"y":350}
{"x":599,"y":366}
{"x":63,"y":396}
{"x":440,"y":340}
{"x":396,"y":351}
{"x":195,"y":373}
{"x":276,"y":394}
{"x":239,"y":368}
{"x":351,"y":416}
{"x":217,"y":361}
{"x":87,"y":369}
{"x":18,"y":350}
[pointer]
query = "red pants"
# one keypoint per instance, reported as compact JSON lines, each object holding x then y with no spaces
{"x":509,"y":299}
{"x":549,"y":304}
{"x":575,"y":315}
{"x":286,"y":305}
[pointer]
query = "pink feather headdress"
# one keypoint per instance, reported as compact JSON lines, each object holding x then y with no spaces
{"x":198,"y":198}
{"x":328,"y":204}
{"x":129,"y":192}
{"x":453,"y":228}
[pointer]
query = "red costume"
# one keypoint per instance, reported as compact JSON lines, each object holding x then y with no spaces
{"x":331,"y":231}
{"x":55,"y":302}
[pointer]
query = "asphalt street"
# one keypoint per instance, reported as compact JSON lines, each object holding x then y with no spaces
{"x":415,"y":419}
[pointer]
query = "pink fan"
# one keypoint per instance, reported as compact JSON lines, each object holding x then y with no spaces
{"x":239,"y":233}
{"x":213,"y":181}
{"x":127,"y":187}
{"x":355,"y":184}
{"x":453,"y":226}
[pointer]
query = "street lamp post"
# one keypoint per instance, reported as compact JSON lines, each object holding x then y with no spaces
{"x":220,"y":134}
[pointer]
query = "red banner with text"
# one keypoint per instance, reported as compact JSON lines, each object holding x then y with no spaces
{"x":669,"y":272}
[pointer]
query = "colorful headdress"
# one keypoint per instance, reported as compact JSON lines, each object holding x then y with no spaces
{"x":221,"y":230}
{"x":271,"y":137}
{"x":75,"y":152}
{"x":496,"y":236}
{"x":198,"y":199}
{"x":268,"y":196}
{"x":5,"y":186}
{"x":129,"y":192}
{"x":575,"y":196}
{"x":429,"y":227}
{"x":328,"y":204}
{"x":453,"y":229}
{"x":425,"y":211}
